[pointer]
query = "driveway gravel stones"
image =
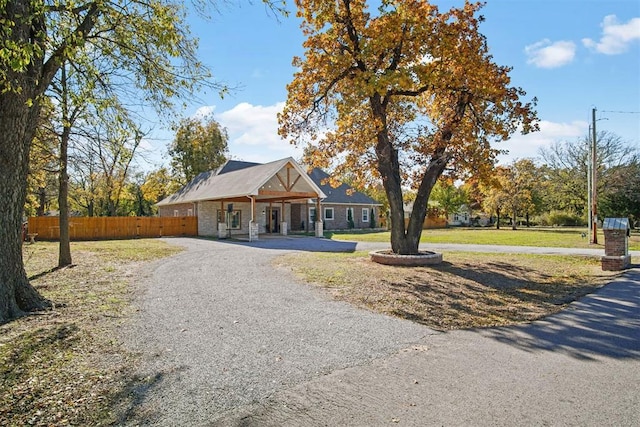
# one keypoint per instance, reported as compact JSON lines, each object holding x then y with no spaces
{"x":227,"y":339}
{"x":219,"y":327}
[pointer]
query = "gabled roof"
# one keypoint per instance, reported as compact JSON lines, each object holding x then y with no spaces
{"x":236,"y":179}
{"x":343,"y":194}
{"x":234,"y":165}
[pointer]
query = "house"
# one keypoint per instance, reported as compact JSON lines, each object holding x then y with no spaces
{"x":275,"y":198}
{"x":460,"y":218}
{"x":338,"y":203}
{"x":466,"y":217}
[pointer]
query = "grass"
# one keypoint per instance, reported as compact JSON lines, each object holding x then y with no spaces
{"x":65,"y":366}
{"x":468,"y":290}
{"x":544,"y":237}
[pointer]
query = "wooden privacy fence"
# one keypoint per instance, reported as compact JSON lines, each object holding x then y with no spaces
{"x":429,"y":222}
{"x":104,"y":227}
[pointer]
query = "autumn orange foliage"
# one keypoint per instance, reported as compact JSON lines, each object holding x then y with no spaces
{"x":402,"y":95}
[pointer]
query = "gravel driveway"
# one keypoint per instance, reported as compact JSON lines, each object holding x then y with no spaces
{"x":229,"y":340}
{"x":219,"y":327}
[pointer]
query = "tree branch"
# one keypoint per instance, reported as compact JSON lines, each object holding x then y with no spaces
{"x":51,"y":67}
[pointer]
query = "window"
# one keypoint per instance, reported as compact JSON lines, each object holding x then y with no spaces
{"x":189,"y":212}
{"x":328,"y":214}
{"x":234,"y":222}
{"x":312,"y":215}
{"x":365,"y":214}
{"x":176,"y":213}
{"x":350,"y":211}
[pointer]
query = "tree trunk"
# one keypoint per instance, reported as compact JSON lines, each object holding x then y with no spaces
{"x":64,"y":247}
{"x":20,"y":91}
{"x":17,"y":127}
{"x":389,"y":167}
{"x":513,"y":221}
{"x":405,"y":241}
{"x":19,"y":111}
{"x":42,"y":201}
{"x":497,"y":219}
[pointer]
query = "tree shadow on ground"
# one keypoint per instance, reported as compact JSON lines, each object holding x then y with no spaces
{"x":605,"y":323}
{"x":450,"y":296}
{"x":131,"y":399}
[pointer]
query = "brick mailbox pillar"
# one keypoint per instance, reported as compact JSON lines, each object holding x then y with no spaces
{"x":616,"y":244}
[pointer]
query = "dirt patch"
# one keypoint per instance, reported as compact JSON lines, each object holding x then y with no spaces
{"x":467,"y":290}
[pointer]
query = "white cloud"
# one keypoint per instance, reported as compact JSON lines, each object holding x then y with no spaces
{"x":253,"y":133}
{"x":205,"y":111}
{"x":616,"y":37}
{"x":528,"y":146}
{"x":146,"y":144}
{"x":545,"y":54}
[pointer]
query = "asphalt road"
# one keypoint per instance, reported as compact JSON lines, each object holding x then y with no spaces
{"x":229,"y":340}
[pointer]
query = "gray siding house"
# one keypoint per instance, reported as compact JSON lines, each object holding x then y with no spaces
{"x":336,"y":206}
{"x":243,"y":198}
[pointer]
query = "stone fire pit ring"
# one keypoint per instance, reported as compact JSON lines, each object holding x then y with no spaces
{"x":389,"y":258}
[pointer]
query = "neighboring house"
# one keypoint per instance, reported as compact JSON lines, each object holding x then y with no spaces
{"x":277,"y":197}
{"x":466,"y":217}
{"x":460,"y":218}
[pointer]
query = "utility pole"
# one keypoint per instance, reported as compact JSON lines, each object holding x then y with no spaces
{"x":594,"y":180}
{"x":589,"y":190}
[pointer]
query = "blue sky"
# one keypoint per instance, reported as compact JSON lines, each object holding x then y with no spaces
{"x":572,"y":55}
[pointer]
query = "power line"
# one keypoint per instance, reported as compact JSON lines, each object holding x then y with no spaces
{"x":620,"y":112}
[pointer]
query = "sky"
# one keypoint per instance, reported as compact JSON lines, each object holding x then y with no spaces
{"x":572,"y":55}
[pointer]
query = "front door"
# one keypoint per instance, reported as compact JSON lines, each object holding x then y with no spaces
{"x":273,"y":220}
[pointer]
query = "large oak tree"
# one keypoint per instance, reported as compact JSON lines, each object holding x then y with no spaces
{"x":146,"y":40}
{"x":401,"y":94}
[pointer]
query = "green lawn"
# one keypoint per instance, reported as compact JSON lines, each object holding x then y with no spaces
{"x":548,"y":237}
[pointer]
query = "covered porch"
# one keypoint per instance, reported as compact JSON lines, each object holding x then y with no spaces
{"x":242,"y":198}
{"x":254,"y":216}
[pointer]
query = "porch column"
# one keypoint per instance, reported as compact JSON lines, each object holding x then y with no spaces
{"x":283,"y":223}
{"x":223,"y":233}
{"x":319,"y":230}
{"x":253,"y":224}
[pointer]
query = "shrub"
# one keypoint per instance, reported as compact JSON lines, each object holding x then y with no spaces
{"x":561,"y":218}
